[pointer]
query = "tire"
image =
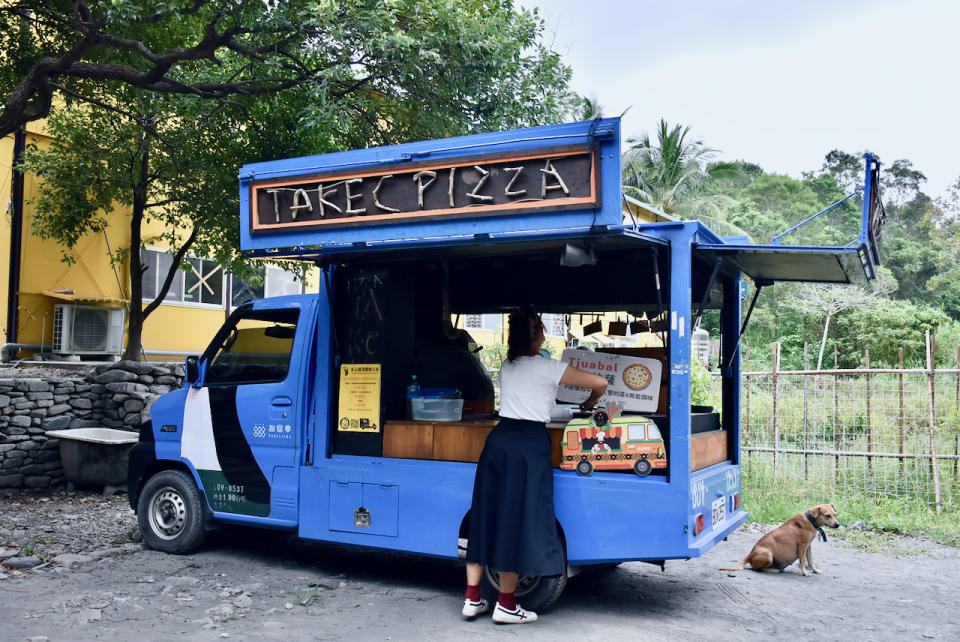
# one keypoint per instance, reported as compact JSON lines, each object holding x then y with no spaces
{"x":533,"y":593}
{"x":170,"y":513}
{"x":642,"y":467}
{"x":584,"y":468}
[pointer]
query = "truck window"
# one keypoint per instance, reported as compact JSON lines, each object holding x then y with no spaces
{"x":636,"y":432}
{"x":256,"y":348}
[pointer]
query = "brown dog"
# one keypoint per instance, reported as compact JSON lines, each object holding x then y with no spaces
{"x":790,"y":541}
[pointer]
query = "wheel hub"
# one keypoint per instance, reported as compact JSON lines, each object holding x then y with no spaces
{"x":168,"y":514}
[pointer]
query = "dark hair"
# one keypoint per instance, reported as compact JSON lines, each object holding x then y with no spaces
{"x":525,"y":326}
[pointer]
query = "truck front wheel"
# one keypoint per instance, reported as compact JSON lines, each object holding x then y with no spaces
{"x":170,"y":513}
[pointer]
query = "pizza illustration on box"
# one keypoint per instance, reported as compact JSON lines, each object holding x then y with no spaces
{"x":605,"y":441}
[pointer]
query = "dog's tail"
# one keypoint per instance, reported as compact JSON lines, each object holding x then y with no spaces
{"x":735,"y":568}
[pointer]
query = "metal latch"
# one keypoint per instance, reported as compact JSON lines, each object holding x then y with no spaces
{"x":361,"y":518}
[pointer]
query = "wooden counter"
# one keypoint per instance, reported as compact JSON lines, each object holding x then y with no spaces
{"x":463,"y":441}
{"x":447,"y":440}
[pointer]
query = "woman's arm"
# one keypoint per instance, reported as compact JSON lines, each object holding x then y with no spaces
{"x":596,"y":384}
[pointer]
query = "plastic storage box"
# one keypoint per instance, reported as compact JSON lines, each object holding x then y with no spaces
{"x":432,"y":409}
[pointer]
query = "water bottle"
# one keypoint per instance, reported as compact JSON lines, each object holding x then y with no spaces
{"x":413,"y":390}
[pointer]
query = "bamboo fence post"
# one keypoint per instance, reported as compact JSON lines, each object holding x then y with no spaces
{"x":836,"y":418}
{"x":866,"y":354}
{"x":933,"y":442}
{"x":806,"y":366}
{"x":956,"y":406}
{"x":901,"y":418}
{"x":956,"y":392}
{"x":775,"y":358}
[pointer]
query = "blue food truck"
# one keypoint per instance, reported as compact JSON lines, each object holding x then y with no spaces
{"x":296,"y":416}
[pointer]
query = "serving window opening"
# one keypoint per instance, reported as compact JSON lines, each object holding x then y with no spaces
{"x":443,"y":322}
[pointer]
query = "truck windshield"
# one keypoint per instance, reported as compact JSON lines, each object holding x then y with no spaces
{"x":256,"y":348}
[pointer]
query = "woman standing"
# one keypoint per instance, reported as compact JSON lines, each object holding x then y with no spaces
{"x":512,"y":525}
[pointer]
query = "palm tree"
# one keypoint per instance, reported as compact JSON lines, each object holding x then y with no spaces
{"x":674,"y":174}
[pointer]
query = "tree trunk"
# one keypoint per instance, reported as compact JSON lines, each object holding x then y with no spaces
{"x":134,"y":350}
{"x":139,"y":313}
{"x":823,"y":342}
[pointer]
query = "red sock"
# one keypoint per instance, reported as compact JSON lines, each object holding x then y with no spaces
{"x":473,"y":593}
{"x":508,"y":601}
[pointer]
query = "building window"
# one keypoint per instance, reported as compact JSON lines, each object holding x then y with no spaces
{"x":554,"y":325}
{"x":276,"y":282}
{"x":203,"y":282}
{"x":473,"y":322}
{"x":200,"y":283}
{"x":490,"y":322}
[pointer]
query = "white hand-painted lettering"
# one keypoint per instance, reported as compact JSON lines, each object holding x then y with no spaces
{"x":322,"y":195}
{"x":276,"y":203}
{"x":698,"y":494}
{"x":376,"y":195}
{"x":484,"y":175}
{"x":301,"y":201}
{"x":509,"y":191}
{"x":549,"y":170}
{"x":353,"y":197}
{"x":453,"y":172}
{"x":421,"y":186}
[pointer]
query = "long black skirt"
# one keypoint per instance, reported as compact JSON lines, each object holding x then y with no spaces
{"x":512,"y":523}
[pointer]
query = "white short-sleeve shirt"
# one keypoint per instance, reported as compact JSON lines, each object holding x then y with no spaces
{"x":528,"y":387}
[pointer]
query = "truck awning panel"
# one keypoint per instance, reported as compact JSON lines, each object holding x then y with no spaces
{"x":769,"y":263}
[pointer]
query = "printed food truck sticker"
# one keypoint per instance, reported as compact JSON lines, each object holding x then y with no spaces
{"x":214,"y":443}
{"x":359,"y":397}
{"x":633,"y":382}
{"x":621,"y":443}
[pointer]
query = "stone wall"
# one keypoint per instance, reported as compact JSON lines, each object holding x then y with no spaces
{"x":116,"y":395}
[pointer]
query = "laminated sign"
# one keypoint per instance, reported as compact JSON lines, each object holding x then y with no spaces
{"x":633,"y":382}
{"x":359,"y":397}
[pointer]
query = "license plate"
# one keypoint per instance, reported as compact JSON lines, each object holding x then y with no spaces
{"x":719,"y":510}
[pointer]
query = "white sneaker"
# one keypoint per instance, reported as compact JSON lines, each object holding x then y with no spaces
{"x":473,"y":609}
{"x":502,"y":615}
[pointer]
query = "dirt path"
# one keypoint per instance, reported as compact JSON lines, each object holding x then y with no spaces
{"x":93,"y":583}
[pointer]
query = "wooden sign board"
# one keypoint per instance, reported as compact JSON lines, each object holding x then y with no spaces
{"x":556,"y":179}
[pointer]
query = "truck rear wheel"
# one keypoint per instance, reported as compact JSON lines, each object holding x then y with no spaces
{"x":170,"y":513}
{"x":642,"y":467}
{"x":533,"y":593}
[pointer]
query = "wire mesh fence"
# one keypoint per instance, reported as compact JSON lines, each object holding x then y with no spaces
{"x":872,"y":433}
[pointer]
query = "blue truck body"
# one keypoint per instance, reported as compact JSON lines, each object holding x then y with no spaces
{"x":268,"y":452}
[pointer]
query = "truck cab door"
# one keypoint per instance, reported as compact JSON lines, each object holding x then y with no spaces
{"x":241,"y":419}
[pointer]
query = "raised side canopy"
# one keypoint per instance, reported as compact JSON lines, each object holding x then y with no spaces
{"x":561,"y":177}
{"x":769,"y":263}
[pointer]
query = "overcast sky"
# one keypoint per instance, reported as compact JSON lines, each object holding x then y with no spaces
{"x":776,"y":83}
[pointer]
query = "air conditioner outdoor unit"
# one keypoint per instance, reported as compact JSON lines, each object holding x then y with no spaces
{"x":84,"y":329}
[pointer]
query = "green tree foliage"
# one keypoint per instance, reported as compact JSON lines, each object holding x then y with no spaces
{"x":892,"y":325}
{"x":674,"y":172}
{"x":919,"y":247}
{"x":388,"y":72}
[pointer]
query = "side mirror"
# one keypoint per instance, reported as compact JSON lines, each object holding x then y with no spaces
{"x":193,"y":370}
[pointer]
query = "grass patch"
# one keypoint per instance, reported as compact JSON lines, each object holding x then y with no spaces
{"x":883,"y":519}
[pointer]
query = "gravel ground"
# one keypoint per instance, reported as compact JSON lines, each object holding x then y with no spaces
{"x":72,"y":568}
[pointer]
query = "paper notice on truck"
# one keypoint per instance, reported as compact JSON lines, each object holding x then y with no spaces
{"x":359,"y":397}
{"x":633,"y":382}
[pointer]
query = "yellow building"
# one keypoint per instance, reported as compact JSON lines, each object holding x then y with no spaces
{"x":51,"y":307}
